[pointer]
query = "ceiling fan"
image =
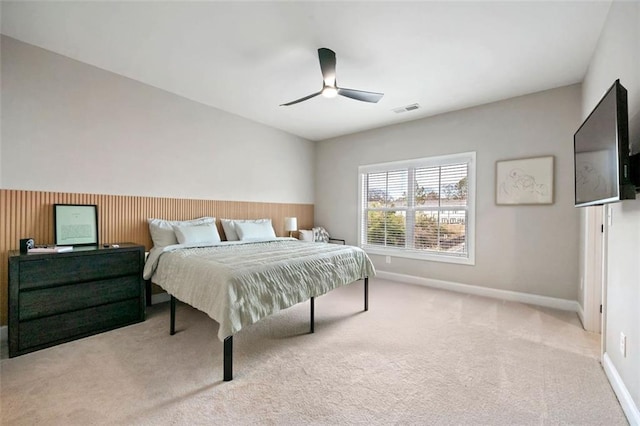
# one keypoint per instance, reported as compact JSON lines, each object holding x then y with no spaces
{"x":329,"y":86}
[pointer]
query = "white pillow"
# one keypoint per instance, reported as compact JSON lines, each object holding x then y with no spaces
{"x":254,"y":230}
{"x":228,"y":226}
{"x":305,"y":235}
{"x":207,"y":233}
{"x":162,"y":233}
{"x":229,"y":232}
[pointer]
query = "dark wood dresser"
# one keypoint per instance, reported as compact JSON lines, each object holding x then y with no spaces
{"x":58,"y":297}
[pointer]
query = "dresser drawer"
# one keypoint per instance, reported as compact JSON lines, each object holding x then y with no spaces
{"x":42,"y":332}
{"x":65,"y":269}
{"x":54,"y":300}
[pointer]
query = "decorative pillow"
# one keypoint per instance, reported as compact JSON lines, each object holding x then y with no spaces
{"x":162,"y":233}
{"x":305,"y":235}
{"x":320,"y":235}
{"x":254,"y":230}
{"x":228,"y":226}
{"x":207,"y":233}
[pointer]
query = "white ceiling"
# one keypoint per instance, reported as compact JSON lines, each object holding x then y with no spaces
{"x":249,"y":57}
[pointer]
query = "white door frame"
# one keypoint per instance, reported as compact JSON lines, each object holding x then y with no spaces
{"x":606,"y":222}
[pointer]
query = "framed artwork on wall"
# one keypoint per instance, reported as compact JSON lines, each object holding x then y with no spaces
{"x":524,"y":181}
{"x":75,"y":224}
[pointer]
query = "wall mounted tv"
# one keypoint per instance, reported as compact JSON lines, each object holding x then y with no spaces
{"x":601,"y":152}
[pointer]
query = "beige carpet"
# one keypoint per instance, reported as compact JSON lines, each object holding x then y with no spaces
{"x":419,"y":356}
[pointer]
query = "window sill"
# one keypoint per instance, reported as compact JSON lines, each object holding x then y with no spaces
{"x":408,"y":254}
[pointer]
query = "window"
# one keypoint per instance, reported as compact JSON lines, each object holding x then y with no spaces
{"x":421,"y":208}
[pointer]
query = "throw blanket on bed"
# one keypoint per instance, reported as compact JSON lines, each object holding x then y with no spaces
{"x":239,"y":284}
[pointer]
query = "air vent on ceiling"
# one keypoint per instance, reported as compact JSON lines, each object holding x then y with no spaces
{"x":406,"y":108}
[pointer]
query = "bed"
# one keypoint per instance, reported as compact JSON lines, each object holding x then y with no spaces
{"x":237,"y":283}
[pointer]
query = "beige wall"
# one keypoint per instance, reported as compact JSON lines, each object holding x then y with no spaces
{"x":529,"y":249}
{"x":72,"y":127}
{"x":618,"y":56}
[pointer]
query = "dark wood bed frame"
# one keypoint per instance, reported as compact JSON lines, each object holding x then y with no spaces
{"x":228,"y":341}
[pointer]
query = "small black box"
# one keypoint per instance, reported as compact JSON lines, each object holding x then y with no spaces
{"x":26,"y":244}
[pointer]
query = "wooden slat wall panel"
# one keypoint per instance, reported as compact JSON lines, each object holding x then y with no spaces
{"x":120,"y":219}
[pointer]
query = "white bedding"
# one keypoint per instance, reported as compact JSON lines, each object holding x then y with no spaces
{"x":238,"y":283}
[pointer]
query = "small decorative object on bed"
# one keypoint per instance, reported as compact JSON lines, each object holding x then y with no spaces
{"x":525,"y":181}
{"x":75,"y":224}
{"x":320,"y":235}
{"x":239,"y":282}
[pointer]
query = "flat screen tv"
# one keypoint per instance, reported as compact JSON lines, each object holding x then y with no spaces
{"x":601,"y":152}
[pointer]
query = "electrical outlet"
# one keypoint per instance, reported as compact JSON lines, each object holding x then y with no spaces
{"x":387,"y":259}
{"x":623,"y":345}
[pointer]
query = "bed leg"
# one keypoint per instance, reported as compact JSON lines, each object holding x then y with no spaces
{"x":147,"y":291}
{"x":366,"y":293}
{"x":228,"y":359}
{"x":312,"y":320}
{"x":172,"y":327}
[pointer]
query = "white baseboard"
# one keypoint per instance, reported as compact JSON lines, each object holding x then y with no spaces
{"x":4,"y":334}
{"x":624,"y":397}
{"x":514,"y":296}
{"x":581,"y":315}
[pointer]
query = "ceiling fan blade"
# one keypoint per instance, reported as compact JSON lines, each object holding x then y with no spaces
{"x":327,"y":58}
{"x":301,"y":99}
{"x":361,"y":95}
{"x":328,"y":65}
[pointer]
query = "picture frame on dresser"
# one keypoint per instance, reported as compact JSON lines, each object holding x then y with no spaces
{"x":75,"y":224}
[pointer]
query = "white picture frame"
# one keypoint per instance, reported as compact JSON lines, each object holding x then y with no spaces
{"x":524,"y":181}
